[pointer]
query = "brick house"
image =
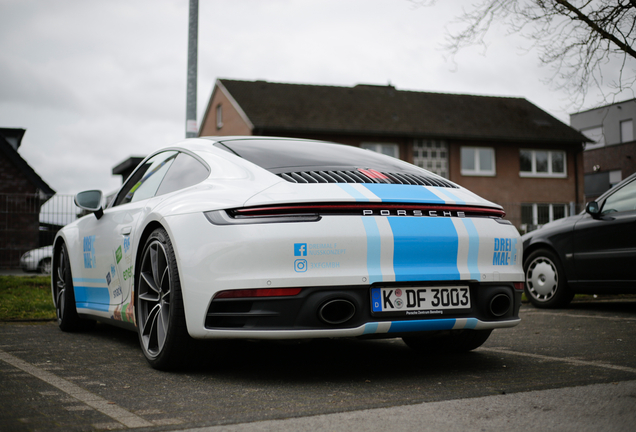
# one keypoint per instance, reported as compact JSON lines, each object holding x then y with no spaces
{"x":22,"y":193}
{"x":610,"y":156}
{"x":505,"y":149}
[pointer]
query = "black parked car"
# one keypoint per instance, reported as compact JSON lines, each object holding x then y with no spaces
{"x":593,"y":252}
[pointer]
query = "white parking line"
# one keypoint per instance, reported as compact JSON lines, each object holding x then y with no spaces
{"x":560,"y":359}
{"x":610,"y":318}
{"x":113,"y":411}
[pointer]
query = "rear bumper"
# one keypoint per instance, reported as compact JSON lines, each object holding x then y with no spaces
{"x":302,"y":316}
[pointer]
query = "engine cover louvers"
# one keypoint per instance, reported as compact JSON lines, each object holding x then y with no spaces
{"x":363,"y":176}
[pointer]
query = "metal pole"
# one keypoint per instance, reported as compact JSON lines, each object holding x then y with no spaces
{"x":191,"y":98}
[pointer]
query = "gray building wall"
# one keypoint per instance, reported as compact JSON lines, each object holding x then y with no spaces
{"x":614,"y":158}
{"x":609,"y":118}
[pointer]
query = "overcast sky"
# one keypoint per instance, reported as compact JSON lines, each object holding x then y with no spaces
{"x":94,"y":82}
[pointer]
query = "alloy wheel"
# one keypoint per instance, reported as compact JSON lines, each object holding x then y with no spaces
{"x":155,"y":288}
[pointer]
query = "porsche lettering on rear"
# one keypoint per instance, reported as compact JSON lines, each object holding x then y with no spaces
{"x":430,"y":213}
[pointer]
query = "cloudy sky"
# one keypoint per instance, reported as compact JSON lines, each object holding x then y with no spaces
{"x":94,"y":82}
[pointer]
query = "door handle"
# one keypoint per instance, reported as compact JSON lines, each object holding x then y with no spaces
{"x":126,"y":230}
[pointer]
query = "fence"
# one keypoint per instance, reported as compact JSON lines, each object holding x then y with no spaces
{"x":28,"y":223}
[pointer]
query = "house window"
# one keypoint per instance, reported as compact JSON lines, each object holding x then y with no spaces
{"x":542,"y":163}
{"x":596,"y":135}
{"x":431,"y":155}
{"x":387,"y":149}
{"x":219,"y":116}
{"x":535,"y":215}
{"x":478,"y":161}
{"x":627,"y":131}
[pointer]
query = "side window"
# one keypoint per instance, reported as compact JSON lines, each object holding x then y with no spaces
{"x":185,"y":171}
{"x":145,"y":181}
{"x":622,"y":200}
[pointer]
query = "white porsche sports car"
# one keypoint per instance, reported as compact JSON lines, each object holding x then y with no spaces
{"x":277,"y":238}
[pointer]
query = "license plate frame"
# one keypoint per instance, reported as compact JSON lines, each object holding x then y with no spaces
{"x":420,"y":300}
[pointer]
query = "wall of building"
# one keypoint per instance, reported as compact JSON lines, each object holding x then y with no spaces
{"x":608,"y":117}
{"x":233,"y":122}
{"x":620,"y":157}
{"x":509,"y":189}
{"x":12,"y":180}
{"x":19,"y":214}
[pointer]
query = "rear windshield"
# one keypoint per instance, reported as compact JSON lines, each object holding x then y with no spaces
{"x":278,"y":156}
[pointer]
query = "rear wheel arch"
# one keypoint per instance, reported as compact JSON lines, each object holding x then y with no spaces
{"x":159,"y":308}
{"x":148,"y":230}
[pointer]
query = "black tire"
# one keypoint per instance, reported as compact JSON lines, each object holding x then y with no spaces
{"x":163,"y":334}
{"x":44,"y":266}
{"x":546,"y":285}
{"x":447,"y":342}
{"x":64,"y":295}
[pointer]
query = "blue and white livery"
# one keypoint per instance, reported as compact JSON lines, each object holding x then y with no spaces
{"x":274,"y":238}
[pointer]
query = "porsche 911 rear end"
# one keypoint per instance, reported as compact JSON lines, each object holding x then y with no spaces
{"x":349,"y":244}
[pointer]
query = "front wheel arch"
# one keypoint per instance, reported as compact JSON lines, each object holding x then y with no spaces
{"x":63,"y":292}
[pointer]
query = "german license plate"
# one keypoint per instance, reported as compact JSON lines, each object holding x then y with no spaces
{"x":419,"y":299}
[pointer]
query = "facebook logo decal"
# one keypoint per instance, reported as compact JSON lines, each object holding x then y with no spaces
{"x":300,"y":249}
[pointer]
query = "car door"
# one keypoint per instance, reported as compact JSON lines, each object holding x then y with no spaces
{"x":605,"y":246}
{"x":111,"y":238}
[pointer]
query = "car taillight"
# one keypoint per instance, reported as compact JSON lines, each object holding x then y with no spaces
{"x":259,"y":292}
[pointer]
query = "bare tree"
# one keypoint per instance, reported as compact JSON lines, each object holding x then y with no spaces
{"x":588,"y":43}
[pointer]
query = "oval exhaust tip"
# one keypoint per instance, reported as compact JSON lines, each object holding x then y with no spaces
{"x":337,"y":311}
{"x":500,"y":305}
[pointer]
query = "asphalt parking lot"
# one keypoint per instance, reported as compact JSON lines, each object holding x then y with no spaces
{"x":50,"y":380}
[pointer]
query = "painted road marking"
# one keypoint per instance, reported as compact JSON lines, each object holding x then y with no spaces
{"x":610,"y":318}
{"x":571,"y":361}
{"x":113,"y":411}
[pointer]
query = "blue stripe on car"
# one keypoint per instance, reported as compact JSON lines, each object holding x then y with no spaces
{"x":353,"y":192}
{"x":473,"y":248}
{"x":435,"y":258}
{"x":92,"y":297}
{"x":420,"y":325}
{"x":374,"y":249}
{"x":404,"y":193}
{"x":450,"y":195}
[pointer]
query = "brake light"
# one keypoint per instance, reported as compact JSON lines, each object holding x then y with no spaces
{"x":259,"y":292}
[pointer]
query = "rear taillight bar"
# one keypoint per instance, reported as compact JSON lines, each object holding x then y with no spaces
{"x":384,"y":209}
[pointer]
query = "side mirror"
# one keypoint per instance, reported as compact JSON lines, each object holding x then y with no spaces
{"x":90,"y":201}
{"x":593,"y":209}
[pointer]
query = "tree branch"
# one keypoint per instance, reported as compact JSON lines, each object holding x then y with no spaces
{"x":604,"y":34}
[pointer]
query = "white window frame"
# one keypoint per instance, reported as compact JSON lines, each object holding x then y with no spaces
{"x":549,"y":174}
{"x":627,"y":130}
{"x":478,"y":171}
{"x":377,"y":147}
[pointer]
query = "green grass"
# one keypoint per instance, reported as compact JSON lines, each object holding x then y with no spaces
{"x":26,"y":298}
